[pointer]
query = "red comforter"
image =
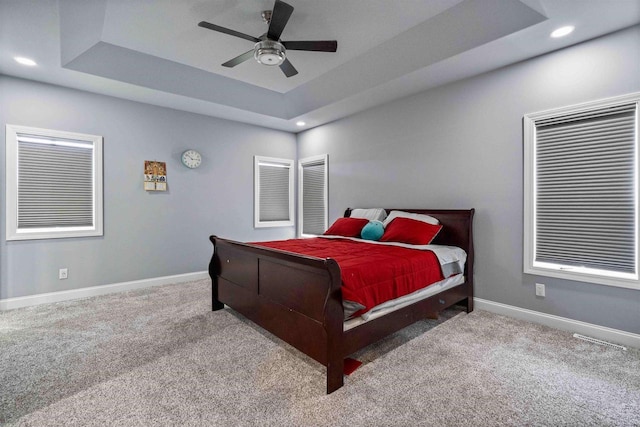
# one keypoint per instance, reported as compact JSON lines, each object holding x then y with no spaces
{"x":371,"y":274}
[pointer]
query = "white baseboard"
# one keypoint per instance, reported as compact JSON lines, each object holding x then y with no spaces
{"x":601,"y":332}
{"x":92,"y":291}
{"x":607,"y":334}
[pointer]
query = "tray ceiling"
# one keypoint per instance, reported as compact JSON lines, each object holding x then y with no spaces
{"x":153,"y":51}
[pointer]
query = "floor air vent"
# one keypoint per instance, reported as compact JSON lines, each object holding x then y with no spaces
{"x":599,"y":342}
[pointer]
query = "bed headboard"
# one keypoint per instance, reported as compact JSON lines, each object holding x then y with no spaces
{"x":457,"y":227}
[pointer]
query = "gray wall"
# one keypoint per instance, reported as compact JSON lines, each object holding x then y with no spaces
{"x":460,"y":146}
{"x":146,"y":235}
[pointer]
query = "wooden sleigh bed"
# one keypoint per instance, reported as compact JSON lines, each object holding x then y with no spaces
{"x":298,"y":298}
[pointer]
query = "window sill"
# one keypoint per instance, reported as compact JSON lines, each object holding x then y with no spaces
{"x":632,"y":283}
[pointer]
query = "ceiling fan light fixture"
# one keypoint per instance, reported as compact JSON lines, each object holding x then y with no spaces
{"x":269,"y":52}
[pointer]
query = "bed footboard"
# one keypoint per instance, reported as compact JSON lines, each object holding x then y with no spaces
{"x":295,"y":297}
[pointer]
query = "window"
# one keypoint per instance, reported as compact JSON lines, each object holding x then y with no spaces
{"x":581,"y":192}
{"x":54,"y":184}
{"x":312,"y":195}
{"x":273,"y":191}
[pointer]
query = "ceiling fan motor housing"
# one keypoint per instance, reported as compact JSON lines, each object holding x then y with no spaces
{"x":269,"y":52}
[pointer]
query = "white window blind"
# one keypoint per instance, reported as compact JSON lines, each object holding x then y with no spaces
{"x":583,"y":215}
{"x":313,"y":195}
{"x":54,"y":184}
{"x":273,"y":192}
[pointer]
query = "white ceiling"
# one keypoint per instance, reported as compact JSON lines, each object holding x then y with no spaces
{"x":153,"y":51}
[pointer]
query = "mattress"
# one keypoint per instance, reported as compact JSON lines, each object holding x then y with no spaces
{"x":398,"y":303}
{"x":374,"y":273}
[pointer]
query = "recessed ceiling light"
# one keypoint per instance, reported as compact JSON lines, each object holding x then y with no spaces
{"x":25,"y":61}
{"x":300,"y":123}
{"x":562,"y":31}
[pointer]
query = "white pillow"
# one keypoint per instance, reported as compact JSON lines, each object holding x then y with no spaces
{"x":418,"y":217}
{"x":373,"y":214}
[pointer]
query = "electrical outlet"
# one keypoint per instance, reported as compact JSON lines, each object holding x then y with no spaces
{"x":63,"y":273}
{"x":539,"y":289}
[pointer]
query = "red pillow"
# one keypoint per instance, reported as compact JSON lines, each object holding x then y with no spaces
{"x":405,"y":230}
{"x":347,"y":227}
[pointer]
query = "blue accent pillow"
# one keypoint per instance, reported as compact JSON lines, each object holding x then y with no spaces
{"x":372,"y":231}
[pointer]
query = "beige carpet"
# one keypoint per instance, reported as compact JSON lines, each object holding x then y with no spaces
{"x":160,"y":357}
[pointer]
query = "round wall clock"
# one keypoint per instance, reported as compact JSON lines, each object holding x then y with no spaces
{"x":191,"y":159}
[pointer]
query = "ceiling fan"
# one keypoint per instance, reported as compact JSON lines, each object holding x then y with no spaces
{"x":269,"y":49}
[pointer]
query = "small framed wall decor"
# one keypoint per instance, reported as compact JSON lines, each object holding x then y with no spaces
{"x":155,"y":176}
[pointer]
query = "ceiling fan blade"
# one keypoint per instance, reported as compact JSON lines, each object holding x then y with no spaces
{"x":220,"y":29}
{"x":318,"y":46}
{"x":288,"y":69}
{"x":279,"y":18}
{"x":239,"y":59}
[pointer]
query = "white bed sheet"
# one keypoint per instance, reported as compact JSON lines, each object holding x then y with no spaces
{"x":398,"y":303}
